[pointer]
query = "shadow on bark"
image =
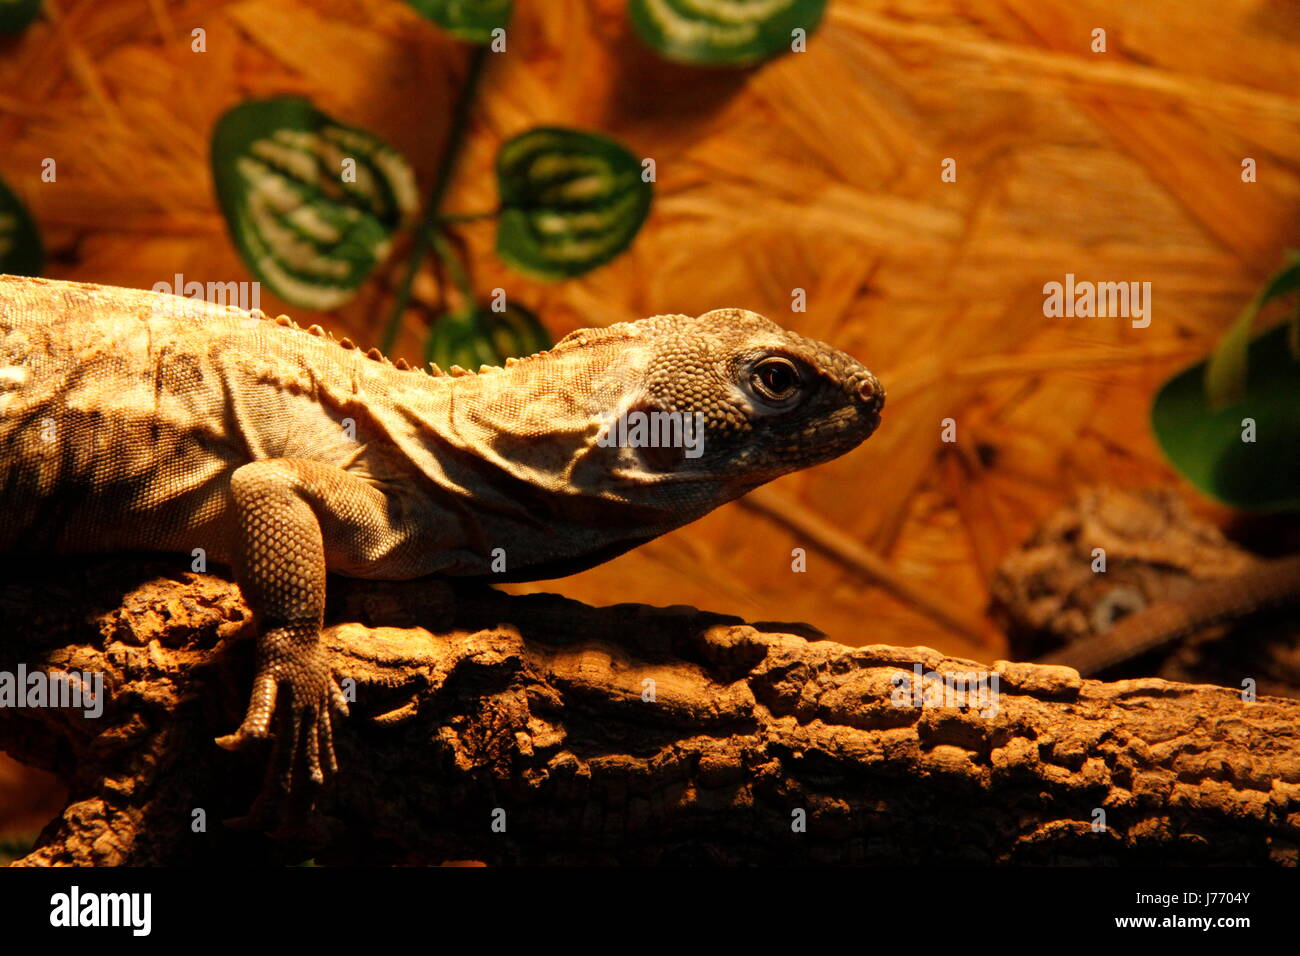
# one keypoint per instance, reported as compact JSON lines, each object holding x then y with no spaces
{"x":537,"y":730}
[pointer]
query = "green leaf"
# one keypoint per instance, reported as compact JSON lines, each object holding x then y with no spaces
{"x":570,"y":201}
{"x":472,"y":20}
{"x":1206,"y":445}
{"x":485,"y":337}
{"x":16,"y":15}
{"x":1225,"y":374}
{"x":302,"y":228}
{"x":723,"y":32}
{"x":21,"y":253}
{"x":1293,"y":333}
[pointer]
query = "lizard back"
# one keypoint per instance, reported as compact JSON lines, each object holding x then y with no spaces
{"x":124,"y":415}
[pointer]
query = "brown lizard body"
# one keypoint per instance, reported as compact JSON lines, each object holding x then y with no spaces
{"x":1270,"y":585}
{"x":133,"y":420}
{"x":1167,"y":574}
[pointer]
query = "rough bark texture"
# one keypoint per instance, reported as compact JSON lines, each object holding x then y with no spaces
{"x":530,"y":711}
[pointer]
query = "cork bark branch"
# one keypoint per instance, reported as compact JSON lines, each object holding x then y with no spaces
{"x":540,"y":730}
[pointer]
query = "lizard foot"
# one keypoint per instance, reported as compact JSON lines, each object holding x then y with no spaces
{"x":290,"y":659}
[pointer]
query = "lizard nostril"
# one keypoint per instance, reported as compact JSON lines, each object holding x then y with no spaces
{"x":869,"y":391}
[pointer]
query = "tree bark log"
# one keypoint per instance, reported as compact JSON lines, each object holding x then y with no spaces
{"x":537,"y":730}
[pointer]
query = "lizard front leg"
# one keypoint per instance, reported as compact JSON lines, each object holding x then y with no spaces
{"x":295,"y":518}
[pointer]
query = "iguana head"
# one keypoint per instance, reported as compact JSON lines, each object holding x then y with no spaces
{"x":741,"y":399}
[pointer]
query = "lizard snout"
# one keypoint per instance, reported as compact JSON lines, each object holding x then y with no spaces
{"x":870,"y":391}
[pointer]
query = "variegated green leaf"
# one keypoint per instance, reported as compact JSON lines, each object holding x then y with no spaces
{"x":311,"y":203}
{"x":1205,"y":443}
{"x":1225,"y":373}
{"x":20,"y":242}
{"x":486,"y":337}
{"x":472,"y":20}
{"x":15,"y":15}
{"x":723,"y":32}
{"x":570,"y":201}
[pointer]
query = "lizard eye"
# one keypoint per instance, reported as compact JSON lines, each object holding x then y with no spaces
{"x":1116,"y":605}
{"x":775,"y":379}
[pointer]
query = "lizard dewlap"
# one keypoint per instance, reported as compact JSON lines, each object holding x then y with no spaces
{"x":131,"y":422}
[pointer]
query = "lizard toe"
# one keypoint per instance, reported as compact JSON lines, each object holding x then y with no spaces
{"x":310,"y":737}
{"x":242,"y":738}
{"x":338,"y":700}
{"x":325,"y":742}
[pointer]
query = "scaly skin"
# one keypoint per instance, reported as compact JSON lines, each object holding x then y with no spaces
{"x":133,"y":420}
{"x":1272,"y":584}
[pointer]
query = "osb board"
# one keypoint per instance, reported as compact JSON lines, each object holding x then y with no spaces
{"x":819,"y":171}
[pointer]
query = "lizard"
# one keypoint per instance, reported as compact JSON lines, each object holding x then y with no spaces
{"x":133,"y":420}
{"x":1272,"y":584}
{"x":1168,"y":575}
